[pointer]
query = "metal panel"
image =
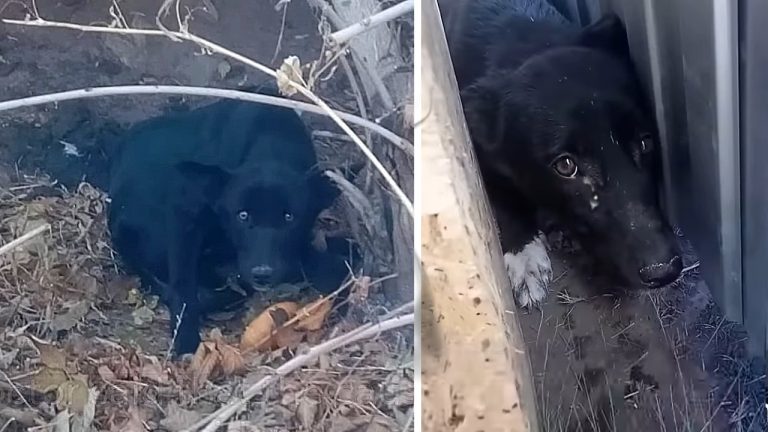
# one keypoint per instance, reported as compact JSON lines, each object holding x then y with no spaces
{"x":754,"y":133}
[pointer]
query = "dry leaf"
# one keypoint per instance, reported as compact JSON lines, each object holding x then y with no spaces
{"x":118,"y":289}
{"x":242,"y":426}
{"x":154,"y":372}
{"x":231,"y":360}
{"x":60,"y":423}
{"x":306,"y":412}
{"x":82,"y":422}
{"x":287,"y":337}
{"x":136,"y":421}
{"x":360,"y":291}
{"x":313,"y":315}
{"x":290,"y":70}
{"x":51,"y":356}
{"x":48,"y":379}
{"x":6,"y":358}
{"x":203,"y":365}
{"x":72,"y":395}
{"x":143,"y":315}
{"x":106,"y":373}
{"x":70,"y":318}
{"x":179,"y":419}
{"x":258,"y":333}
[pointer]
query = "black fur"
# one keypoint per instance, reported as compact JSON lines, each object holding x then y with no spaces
{"x":230,"y":187}
{"x":538,"y":95}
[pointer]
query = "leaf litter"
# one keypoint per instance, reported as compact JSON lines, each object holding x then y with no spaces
{"x":84,"y":349}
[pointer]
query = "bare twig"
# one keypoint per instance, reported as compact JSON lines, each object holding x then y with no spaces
{"x":217,"y":418}
{"x":23,"y":239}
{"x":91,"y":92}
{"x":213,"y":47}
{"x":344,"y":35}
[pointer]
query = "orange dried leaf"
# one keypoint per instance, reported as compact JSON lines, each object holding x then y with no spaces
{"x":200,"y":355}
{"x":204,"y":373}
{"x":231,"y":360}
{"x":258,"y":333}
{"x":287,"y":337}
{"x":313,"y":316}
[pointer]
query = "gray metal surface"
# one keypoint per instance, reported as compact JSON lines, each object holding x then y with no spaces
{"x":754,"y":153}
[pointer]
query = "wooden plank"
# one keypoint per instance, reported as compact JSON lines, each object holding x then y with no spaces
{"x":476,"y":375}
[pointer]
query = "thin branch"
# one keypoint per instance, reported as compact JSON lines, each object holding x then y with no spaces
{"x":220,"y":416}
{"x":404,"y":200}
{"x":344,"y":35}
{"x":92,"y":92}
{"x":23,"y":239}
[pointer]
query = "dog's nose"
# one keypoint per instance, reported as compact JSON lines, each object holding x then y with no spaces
{"x":660,"y":274}
{"x":261,"y":272}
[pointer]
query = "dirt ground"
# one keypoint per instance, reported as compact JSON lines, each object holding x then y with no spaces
{"x":73,"y":328}
{"x":642,"y":361}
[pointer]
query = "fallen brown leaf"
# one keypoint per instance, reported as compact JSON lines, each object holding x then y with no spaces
{"x":313,"y":316}
{"x":179,"y":419}
{"x":286,"y":337}
{"x":51,"y":356}
{"x":259,"y":332}
{"x":154,"y":372}
{"x":231,"y":360}
{"x":204,"y":363}
{"x":71,"y":317}
{"x":48,"y":379}
{"x":72,"y":395}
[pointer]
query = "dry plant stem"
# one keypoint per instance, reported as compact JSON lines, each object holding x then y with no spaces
{"x":25,"y":238}
{"x":344,"y":35}
{"x":402,"y":197}
{"x":220,"y":416}
{"x":359,"y":60}
{"x":91,"y":92}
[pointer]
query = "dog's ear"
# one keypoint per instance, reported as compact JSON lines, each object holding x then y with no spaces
{"x":482,"y":103}
{"x":608,"y":34}
{"x":206,"y":180}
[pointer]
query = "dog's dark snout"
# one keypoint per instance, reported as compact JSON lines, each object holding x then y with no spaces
{"x":261,"y":272}
{"x":660,"y":274}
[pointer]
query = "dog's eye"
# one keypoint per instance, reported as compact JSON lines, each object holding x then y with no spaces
{"x":243,"y":215}
{"x":565,"y":166}
{"x":288,"y":216}
{"x":646,"y":143}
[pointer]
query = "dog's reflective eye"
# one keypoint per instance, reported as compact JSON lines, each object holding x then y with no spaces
{"x":288,"y":217}
{"x":565,"y":166}
{"x":243,"y":215}
{"x":646,"y":143}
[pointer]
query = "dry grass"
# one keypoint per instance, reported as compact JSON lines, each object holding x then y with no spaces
{"x":78,"y":340}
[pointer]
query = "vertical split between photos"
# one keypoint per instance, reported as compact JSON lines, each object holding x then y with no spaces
{"x":207,"y":215}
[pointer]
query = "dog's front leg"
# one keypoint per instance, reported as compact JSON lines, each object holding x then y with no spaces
{"x":525,"y":255}
{"x":183,"y":259}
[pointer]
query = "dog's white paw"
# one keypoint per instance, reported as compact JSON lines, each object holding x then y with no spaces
{"x":530,"y":272}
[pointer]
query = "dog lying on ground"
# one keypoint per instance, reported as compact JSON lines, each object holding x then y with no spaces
{"x":230,"y":185}
{"x":560,"y":126}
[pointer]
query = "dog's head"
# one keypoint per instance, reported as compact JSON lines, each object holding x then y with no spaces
{"x":266,"y":213}
{"x":571,"y":129}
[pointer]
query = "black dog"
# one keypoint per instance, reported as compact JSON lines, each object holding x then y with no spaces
{"x":560,"y":125}
{"x":232,"y":184}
